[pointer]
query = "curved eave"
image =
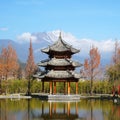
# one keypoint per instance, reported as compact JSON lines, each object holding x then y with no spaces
{"x":76,"y":75}
{"x":76,"y":64}
{"x":39,"y":76}
{"x":73,"y":50}
{"x":42,"y":64}
{"x":45,"y":50}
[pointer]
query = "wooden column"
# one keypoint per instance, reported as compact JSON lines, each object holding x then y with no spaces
{"x":54,"y":87}
{"x":76,"y":87}
{"x":50,"y":108}
{"x":68,"y":108}
{"x":68,"y":88}
{"x":50,"y":87}
{"x":42,"y":86}
{"x":64,"y":88}
{"x":54,"y":107}
{"x":76,"y":107}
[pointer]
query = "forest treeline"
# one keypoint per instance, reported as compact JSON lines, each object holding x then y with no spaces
{"x":20,"y":86}
{"x":16,"y":77}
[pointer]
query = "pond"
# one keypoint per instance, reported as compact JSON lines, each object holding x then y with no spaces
{"x":35,"y":109}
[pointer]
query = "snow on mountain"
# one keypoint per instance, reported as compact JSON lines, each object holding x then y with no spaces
{"x":43,"y":39}
{"x":68,"y":37}
{"x":105,"y":47}
{"x":42,"y":36}
{"x":85,"y":44}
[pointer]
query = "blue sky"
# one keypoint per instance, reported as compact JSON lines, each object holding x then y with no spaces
{"x":93,"y":19}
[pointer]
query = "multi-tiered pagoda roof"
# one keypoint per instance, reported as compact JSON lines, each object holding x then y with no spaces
{"x":59,"y":67}
{"x":60,"y":46}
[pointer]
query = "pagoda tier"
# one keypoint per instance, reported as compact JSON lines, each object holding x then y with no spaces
{"x":54,"y":75}
{"x":59,"y":49}
{"x":59,"y":62}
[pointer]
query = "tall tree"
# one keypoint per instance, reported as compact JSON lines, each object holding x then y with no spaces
{"x":113,"y":70}
{"x":9,"y":61}
{"x":1,"y":73}
{"x":30,"y":66}
{"x":116,"y":54}
{"x":91,"y":65}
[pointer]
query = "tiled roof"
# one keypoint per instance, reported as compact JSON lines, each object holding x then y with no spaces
{"x":59,"y":74}
{"x":60,"y":46}
{"x":60,"y":62}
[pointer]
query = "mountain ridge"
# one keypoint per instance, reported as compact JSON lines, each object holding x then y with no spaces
{"x":43,"y":39}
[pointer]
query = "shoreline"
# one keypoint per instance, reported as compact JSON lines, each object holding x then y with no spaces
{"x":37,"y":95}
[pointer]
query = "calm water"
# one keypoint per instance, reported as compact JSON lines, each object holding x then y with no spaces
{"x":36,"y":109}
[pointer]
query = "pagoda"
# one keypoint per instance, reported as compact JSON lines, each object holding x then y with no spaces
{"x":59,"y":67}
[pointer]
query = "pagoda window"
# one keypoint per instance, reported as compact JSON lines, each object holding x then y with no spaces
{"x":60,"y":68}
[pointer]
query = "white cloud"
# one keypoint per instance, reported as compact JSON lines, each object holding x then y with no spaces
{"x":3,"y":29}
{"x":85,"y":43}
{"x":103,"y":46}
{"x":25,"y":37}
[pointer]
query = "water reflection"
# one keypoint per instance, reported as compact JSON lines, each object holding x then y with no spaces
{"x":35,"y":109}
{"x":60,"y":111}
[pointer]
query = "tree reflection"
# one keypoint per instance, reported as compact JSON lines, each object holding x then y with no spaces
{"x":35,"y":109}
{"x":28,"y":101}
{"x":0,"y":111}
{"x":114,"y":113}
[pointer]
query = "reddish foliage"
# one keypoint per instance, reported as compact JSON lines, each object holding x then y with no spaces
{"x":119,"y":89}
{"x":113,"y":90}
{"x":8,"y":62}
{"x":91,"y":64}
{"x":30,"y":65}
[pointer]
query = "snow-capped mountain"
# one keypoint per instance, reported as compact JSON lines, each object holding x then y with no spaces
{"x":105,"y":47}
{"x":43,"y":39}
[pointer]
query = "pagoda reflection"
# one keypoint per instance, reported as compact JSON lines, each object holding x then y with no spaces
{"x":58,"y":110}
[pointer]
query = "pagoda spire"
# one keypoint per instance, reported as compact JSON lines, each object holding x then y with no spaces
{"x":60,"y":34}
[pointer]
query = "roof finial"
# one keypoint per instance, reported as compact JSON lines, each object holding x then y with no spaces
{"x":60,"y":35}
